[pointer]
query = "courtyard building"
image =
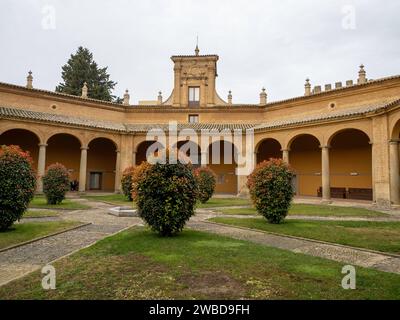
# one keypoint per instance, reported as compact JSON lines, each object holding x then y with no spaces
{"x":342,"y":140}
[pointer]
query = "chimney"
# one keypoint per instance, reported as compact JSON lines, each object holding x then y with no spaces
{"x":362,"y":75}
{"x":230,"y":97}
{"x":29,"y":80}
{"x":328,"y":87}
{"x":263,"y":97}
{"x":84,"y":90}
{"x":126,"y":98}
{"x":338,"y":85}
{"x":317,"y":89}
{"x":349,"y":83}
{"x":307,"y":88}
{"x":159,"y":98}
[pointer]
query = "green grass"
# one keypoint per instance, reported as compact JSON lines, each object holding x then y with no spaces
{"x":224,"y":202}
{"x":380,"y":236}
{"x":39,"y":214}
{"x":314,"y":210}
{"x":41,"y":203}
{"x":30,"y":230}
{"x":117,"y":199}
{"x":137,"y":264}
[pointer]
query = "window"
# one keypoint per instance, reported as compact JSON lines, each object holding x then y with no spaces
{"x":193,"y":118}
{"x":194,"y":96}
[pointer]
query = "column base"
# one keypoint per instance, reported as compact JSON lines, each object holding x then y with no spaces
{"x":326,"y":201}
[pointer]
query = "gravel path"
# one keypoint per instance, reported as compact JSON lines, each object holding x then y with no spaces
{"x":15,"y":263}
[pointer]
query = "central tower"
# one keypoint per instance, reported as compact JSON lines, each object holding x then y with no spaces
{"x":194,"y":80}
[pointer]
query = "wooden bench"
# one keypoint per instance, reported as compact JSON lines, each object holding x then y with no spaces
{"x":338,"y":193}
{"x":359,"y":194}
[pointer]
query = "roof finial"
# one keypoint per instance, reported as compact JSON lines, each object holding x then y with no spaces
{"x":196,"y":51}
{"x":84,"y":90}
{"x":29,"y":80}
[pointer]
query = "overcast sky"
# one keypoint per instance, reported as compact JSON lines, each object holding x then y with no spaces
{"x":276,"y":44}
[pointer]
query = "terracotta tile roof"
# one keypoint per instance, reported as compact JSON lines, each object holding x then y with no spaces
{"x":334,"y":115}
{"x":14,"y":113}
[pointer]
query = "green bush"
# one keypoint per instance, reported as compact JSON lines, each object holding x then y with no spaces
{"x":206,"y":181}
{"x":166,"y":196}
{"x":55,"y":183}
{"x":126,"y":182}
{"x":17,"y":184}
{"x":271,"y":189}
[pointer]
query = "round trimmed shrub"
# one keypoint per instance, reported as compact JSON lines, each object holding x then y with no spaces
{"x":206,"y":181}
{"x":17,"y":184}
{"x":271,"y":189}
{"x":55,"y":183}
{"x":126,"y":182}
{"x":166,"y":197}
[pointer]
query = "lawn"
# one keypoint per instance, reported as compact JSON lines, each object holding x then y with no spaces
{"x":39,"y":214}
{"x":314,"y":210}
{"x":117,"y":199}
{"x":380,"y":236}
{"x":137,"y":264}
{"x":22,"y":232}
{"x":224,"y":202}
{"x":41,"y":203}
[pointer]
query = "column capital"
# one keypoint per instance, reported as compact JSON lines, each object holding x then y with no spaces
{"x":285,"y":149}
{"x":394,"y":141}
{"x":117,"y":151}
{"x":325,"y":146}
{"x":43,"y":145}
{"x":85,"y":148}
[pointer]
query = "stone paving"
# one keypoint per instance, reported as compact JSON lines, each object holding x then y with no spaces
{"x":16,"y":262}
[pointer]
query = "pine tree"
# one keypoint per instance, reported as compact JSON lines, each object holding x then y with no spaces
{"x":81,"y":68}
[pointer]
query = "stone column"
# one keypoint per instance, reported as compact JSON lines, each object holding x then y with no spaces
{"x":285,"y":155}
{"x":134,"y":158}
{"x":326,"y":185}
{"x":83,"y":169}
{"x":394,"y":172}
{"x":41,"y":167}
{"x":203,"y":159}
{"x":117,"y":183}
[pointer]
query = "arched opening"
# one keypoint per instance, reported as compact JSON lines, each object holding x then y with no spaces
{"x":351,"y":165}
{"x":221,"y":159}
{"x":27,"y":140}
{"x":65,"y":149}
{"x":147,"y":148}
{"x":305,"y":159}
{"x":191,"y":150}
{"x":267,"y":149}
{"x":101,"y":164}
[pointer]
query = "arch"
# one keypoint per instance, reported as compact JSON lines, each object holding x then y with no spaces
{"x":105,"y":137}
{"x":221,"y":159}
{"x":305,"y":159}
{"x":332,"y":135}
{"x":191,"y":149}
{"x":395,"y":131}
{"x":67,"y":133}
{"x":101,"y":164}
{"x":65,"y":148}
{"x":268,"y":148}
{"x":295,"y":136}
{"x":26,"y":139}
{"x":351,"y":164}
{"x":145,"y":147}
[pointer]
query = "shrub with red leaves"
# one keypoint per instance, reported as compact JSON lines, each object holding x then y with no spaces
{"x":55,"y":183}
{"x":271,"y":189}
{"x":17,"y":184}
{"x":206,"y":181}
